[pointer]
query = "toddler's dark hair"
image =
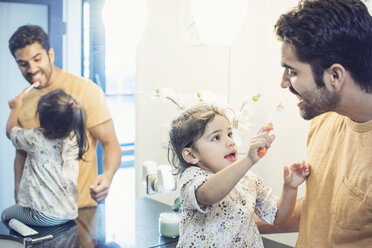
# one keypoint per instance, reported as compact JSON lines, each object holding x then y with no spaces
{"x":186,"y":129}
{"x":61,"y":116}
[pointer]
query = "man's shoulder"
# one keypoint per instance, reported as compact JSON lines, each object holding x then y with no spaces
{"x":77,"y":85}
{"x":329,"y":117}
{"x":326,"y":125}
{"x":68,"y":77}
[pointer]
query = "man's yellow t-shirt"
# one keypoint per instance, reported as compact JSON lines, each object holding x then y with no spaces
{"x":337,"y":208}
{"x":94,"y":101}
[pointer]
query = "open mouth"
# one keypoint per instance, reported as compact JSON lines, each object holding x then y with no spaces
{"x":231,"y":157}
{"x":35,"y":78}
{"x":300,"y":101}
{"x":36,"y":84}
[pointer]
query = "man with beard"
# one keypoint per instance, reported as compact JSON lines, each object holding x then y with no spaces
{"x":327,"y":60}
{"x":30,"y":47}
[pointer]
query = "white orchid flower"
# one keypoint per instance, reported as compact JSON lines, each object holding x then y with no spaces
{"x":241,"y":119}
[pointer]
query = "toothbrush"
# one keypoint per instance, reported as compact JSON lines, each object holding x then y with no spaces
{"x":262,"y":151}
{"x":36,"y":84}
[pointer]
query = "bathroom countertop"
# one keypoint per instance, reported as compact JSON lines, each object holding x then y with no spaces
{"x":96,"y":227}
{"x":91,"y":229}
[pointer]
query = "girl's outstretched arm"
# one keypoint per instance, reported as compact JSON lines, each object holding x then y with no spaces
{"x":19,"y":161}
{"x":220,"y":184}
{"x":293,"y":177}
{"x":15,"y":105}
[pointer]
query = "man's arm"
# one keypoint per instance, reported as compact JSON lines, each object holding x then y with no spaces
{"x":105,"y":134}
{"x":292,"y":225}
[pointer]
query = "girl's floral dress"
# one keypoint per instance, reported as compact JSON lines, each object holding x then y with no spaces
{"x":230,"y":222}
{"x":49,"y":179}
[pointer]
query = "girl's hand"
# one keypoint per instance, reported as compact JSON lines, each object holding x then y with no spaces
{"x":296,"y":174}
{"x":262,"y":139}
{"x":16,"y":102}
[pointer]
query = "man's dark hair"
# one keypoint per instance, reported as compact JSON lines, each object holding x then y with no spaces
{"x":27,"y":35}
{"x":325,"y":32}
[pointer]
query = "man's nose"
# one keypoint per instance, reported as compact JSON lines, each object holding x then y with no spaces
{"x":285,"y":83}
{"x":32,"y":68}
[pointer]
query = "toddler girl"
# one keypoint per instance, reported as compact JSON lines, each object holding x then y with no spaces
{"x":218,"y":196}
{"x":48,"y":190}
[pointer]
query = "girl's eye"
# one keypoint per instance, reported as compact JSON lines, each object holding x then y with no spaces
{"x":215,"y":138}
{"x":291,"y":73}
{"x":230,"y":135}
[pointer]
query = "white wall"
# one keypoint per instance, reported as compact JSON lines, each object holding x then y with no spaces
{"x":165,"y":60}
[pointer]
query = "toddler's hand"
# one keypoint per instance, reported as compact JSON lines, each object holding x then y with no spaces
{"x":262,"y":139}
{"x":296,"y":174}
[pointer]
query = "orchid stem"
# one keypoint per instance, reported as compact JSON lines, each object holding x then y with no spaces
{"x":172,"y":100}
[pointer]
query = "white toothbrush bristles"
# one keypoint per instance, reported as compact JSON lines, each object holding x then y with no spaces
{"x":31,"y":86}
{"x":278,"y":108}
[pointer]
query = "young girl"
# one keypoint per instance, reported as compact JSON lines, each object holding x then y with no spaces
{"x":218,"y":196}
{"x":48,"y":190}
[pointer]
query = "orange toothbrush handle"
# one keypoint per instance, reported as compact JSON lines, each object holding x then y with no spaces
{"x":262,"y":151}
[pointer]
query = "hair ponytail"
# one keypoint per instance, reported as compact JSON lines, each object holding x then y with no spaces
{"x":61,"y":116}
{"x":78,"y":128}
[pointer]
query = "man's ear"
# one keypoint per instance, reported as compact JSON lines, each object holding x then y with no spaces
{"x":335,"y":77}
{"x":190,"y":156}
{"x":51,"y":55}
